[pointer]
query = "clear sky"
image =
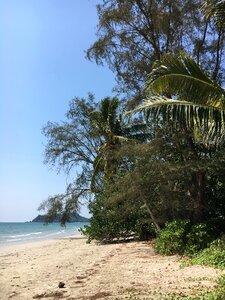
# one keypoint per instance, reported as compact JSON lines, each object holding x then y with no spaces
{"x":42,"y":67}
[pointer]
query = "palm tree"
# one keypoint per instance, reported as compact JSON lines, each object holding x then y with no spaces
{"x":182,"y":93}
{"x":107,"y":125}
{"x":181,"y":90}
{"x":114,"y":132}
{"x":199,"y":102}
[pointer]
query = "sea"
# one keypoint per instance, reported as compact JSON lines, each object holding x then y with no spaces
{"x":20,"y":233}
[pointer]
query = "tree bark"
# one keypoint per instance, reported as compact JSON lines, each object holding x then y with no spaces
{"x":153,"y":218}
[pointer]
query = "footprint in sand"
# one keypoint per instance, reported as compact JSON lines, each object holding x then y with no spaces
{"x":81,"y":277}
{"x":13,"y":294}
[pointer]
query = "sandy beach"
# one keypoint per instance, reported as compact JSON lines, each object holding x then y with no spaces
{"x":90,"y":271}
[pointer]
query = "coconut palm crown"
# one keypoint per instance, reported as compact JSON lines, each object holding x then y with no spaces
{"x":178,"y":88}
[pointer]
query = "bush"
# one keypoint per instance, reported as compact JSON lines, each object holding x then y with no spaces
{"x":144,"y":230}
{"x":171,"y":238}
{"x":106,"y":228}
{"x":198,"y":238}
{"x":117,"y":220}
{"x":179,"y":237}
{"x":213,"y":256}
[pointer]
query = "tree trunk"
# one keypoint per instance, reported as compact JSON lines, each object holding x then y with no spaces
{"x":153,"y":218}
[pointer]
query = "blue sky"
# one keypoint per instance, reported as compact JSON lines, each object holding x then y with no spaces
{"x":42,"y":67}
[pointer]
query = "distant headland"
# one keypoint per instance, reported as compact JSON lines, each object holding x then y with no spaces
{"x":75,"y":217}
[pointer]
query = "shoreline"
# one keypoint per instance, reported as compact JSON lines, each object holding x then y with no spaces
{"x":91,"y":271}
{"x":15,"y":234}
{"x":7,"y":248}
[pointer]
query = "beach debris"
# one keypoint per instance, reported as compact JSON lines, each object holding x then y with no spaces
{"x":61,"y":285}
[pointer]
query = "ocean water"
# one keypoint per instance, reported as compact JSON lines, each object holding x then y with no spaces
{"x":19,"y":233}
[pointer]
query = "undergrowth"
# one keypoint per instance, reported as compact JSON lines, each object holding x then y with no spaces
{"x":213,"y":256}
{"x":181,"y":237}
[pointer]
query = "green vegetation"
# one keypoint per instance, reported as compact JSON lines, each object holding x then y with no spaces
{"x":150,"y":163}
{"x":132,"y":35}
{"x":121,"y":220}
{"x":213,"y":256}
{"x":180,"y":237}
{"x":164,"y":160}
{"x":155,"y":167}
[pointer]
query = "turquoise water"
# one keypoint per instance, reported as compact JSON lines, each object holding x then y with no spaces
{"x":18,"y":233}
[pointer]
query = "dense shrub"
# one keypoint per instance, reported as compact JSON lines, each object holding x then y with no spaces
{"x":171,"y":238}
{"x":180,"y":237}
{"x":144,"y":230}
{"x":213,"y":256}
{"x":117,"y":220}
{"x":198,"y":238}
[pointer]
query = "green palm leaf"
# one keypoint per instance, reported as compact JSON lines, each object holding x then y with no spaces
{"x":216,"y":9}
{"x":193,"y":100}
{"x":181,"y":76}
{"x":207,"y":121}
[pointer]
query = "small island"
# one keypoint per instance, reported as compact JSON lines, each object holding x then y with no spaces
{"x":74,"y":217}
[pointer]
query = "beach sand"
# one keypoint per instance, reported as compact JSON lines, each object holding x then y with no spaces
{"x":92,"y":271}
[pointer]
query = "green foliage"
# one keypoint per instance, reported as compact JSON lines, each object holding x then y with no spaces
{"x":199,"y":103}
{"x":119,"y":211}
{"x":180,"y":237}
{"x":198,"y":238}
{"x":166,"y":172}
{"x":144,"y":230}
{"x":132,"y":35}
{"x":215,"y":9}
{"x":88,"y":139}
{"x":181,"y":75}
{"x":117,"y":220}
{"x":219,"y":292}
{"x":171,"y":238}
{"x":213,"y":256}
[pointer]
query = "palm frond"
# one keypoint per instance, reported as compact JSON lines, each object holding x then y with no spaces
{"x":216,"y":9}
{"x":208,"y":121}
{"x":180,"y":75}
